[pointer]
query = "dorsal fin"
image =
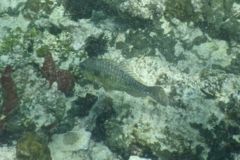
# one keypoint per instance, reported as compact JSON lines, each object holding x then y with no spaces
{"x":124,"y":67}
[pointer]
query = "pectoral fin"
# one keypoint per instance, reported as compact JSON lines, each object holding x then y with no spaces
{"x":159,"y":95}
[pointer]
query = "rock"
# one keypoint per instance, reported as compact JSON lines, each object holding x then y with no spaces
{"x":137,"y":158}
{"x":96,"y":45}
{"x":101,"y":152}
{"x":72,"y":141}
{"x":7,"y":6}
{"x":82,"y":106}
{"x":63,"y":145}
{"x":7,"y":152}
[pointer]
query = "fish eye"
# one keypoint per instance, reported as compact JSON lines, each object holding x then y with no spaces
{"x":82,"y":66}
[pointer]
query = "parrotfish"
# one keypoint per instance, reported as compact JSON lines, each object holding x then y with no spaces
{"x":112,"y":76}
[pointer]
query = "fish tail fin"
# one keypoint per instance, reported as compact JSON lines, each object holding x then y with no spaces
{"x":159,"y":95}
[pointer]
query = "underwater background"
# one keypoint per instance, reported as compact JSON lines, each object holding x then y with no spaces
{"x":50,"y":110}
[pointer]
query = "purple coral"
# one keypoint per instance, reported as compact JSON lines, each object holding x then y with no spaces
{"x":10,"y":97}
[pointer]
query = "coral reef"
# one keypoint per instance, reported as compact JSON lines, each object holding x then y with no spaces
{"x":190,"y":48}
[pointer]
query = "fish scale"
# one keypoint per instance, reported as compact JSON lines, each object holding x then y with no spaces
{"x":112,"y":76}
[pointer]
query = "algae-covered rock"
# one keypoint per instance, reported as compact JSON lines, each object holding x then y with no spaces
{"x":217,"y":15}
{"x":80,"y":9}
{"x":149,"y":41}
{"x":213,"y":53}
{"x":82,"y":106}
{"x":218,"y":18}
{"x":235,"y":63}
{"x":99,"y":130}
{"x":12,"y":41}
{"x":11,"y":7}
{"x":143,"y":9}
{"x":96,"y":45}
{"x":31,"y":147}
{"x":16,"y":47}
{"x":36,"y":9}
{"x":43,"y":51}
{"x":183,"y":10}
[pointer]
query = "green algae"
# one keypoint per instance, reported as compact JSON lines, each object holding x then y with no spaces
{"x":32,"y":147}
{"x":64,"y":46}
{"x":10,"y":41}
{"x":43,"y":51}
{"x":17,"y":41}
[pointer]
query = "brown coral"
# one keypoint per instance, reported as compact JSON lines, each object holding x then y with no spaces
{"x":10,"y":97}
{"x":49,"y":68}
{"x":64,"y":78}
{"x":65,"y":81}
